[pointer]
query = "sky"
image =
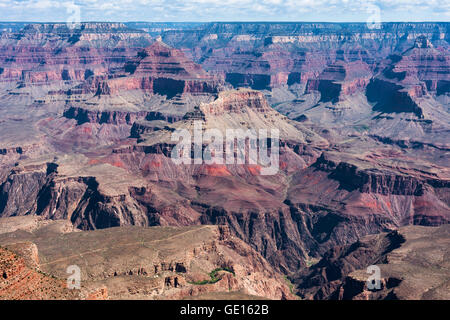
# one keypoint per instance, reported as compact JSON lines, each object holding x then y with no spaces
{"x":225,"y":10}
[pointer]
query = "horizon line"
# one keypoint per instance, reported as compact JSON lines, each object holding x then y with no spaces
{"x":245,"y":21}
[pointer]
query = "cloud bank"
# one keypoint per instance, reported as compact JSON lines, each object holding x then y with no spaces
{"x":226,"y":10}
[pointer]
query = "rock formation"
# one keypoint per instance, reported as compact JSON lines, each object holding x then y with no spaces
{"x":405,"y":259}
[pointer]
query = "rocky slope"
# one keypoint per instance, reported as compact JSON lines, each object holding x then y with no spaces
{"x":158,"y":263}
{"x":413,"y":265}
{"x":22,"y":278}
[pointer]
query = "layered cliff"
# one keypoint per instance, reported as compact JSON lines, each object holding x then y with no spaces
{"x":43,"y":53}
{"x":405,"y":259}
{"x":264,"y":55}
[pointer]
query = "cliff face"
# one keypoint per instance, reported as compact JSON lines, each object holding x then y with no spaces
{"x":350,"y":178}
{"x":112,"y":117}
{"x":391,"y":98}
{"x":45,"y":53}
{"x":341,"y":273}
{"x":323,"y":279}
{"x":237,"y":102}
{"x":409,"y":76}
{"x":263,"y":55}
{"x":158,"y":69}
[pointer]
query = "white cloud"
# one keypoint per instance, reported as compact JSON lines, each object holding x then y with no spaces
{"x":214,"y":10}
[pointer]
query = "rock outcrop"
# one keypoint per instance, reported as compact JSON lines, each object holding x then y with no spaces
{"x":405,"y":259}
{"x":175,"y":263}
{"x":22,"y":279}
{"x":161,"y":70}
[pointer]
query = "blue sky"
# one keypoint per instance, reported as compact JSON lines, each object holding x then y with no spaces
{"x":226,"y":10}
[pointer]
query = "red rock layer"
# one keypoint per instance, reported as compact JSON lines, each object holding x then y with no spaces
{"x":18,"y":281}
{"x":42,"y":53}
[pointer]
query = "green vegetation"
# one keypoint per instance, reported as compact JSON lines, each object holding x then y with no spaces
{"x":214,"y":276}
{"x":361,"y":127}
{"x":311,"y":261}
{"x":289,"y":283}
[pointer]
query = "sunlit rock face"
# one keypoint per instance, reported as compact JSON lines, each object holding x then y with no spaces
{"x":43,"y":53}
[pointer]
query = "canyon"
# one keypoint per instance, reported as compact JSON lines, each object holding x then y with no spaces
{"x":404,"y":257}
{"x":86,"y":121}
